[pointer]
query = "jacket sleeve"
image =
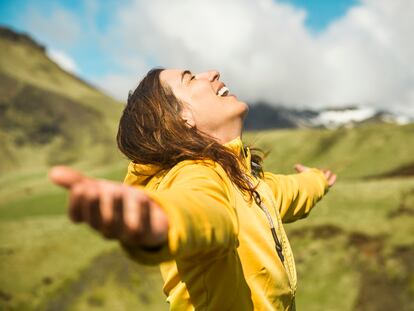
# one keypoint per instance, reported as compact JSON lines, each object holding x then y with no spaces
{"x":202,"y":219}
{"x":296,"y":194}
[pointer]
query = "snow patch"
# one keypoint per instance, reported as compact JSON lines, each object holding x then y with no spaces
{"x":335,"y":118}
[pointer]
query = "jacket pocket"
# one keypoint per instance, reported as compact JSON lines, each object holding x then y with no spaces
{"x":272,"y":290}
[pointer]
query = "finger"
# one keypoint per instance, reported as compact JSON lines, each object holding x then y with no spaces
{"x":332,"y":180}
{"x":300,"y":168}
{"x":131,"y":211}
{"x":110,"y":208}
{"x":75,"y":203}
{"x":90,"y":207}
{"x":131,"y":226}
{"x":159,"y":223}
{"x":117,"y":223}
{"x":65,"y":176}
{"x":136,"y":218}
{"x":328,"y":174}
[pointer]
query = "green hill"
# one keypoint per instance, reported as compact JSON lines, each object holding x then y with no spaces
{"x":358,"y":243}
{"x":47,"y":115}
{"x":369,"y":150}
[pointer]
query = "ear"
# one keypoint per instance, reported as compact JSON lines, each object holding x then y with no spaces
{"x":188,"y":117}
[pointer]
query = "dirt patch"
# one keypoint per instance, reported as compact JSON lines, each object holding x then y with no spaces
{"x":367,"y":246}
{"x":5,"y":296}
{"x":402,"y":211}
{"x":383,"y":289}
{"x":406,"y":206}
{"x":317,"y":232}
{"x":402,"y":171}
{"x":47,"y":280}
{"x":386,"y":279}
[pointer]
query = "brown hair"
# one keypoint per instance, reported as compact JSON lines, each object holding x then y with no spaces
{"x":151,"y":131}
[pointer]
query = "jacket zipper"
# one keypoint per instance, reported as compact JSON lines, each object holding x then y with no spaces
{"x":278,"y":245}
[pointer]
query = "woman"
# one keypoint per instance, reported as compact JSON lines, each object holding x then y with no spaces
{"x":195,"y":200}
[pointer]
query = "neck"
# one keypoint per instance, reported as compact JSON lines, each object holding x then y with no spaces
{"x":228,"y":133}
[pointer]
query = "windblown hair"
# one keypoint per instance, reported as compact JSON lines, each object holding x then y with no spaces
{"x":151,"y":131}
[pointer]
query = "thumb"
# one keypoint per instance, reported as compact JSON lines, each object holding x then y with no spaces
{"x":64,"y":176}
{"x":300,"y":168}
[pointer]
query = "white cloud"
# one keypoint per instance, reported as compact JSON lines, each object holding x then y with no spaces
{"x":264,"y":50}
{"x":118,"y":85}
{"x":58,"y":26}
{"x":370,"y":52}
{"x":63,"y":60}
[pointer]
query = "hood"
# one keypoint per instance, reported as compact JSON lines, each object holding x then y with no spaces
{"x":141,"y":174}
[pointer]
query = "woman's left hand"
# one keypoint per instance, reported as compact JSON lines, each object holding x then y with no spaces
{"x":330,"y":176}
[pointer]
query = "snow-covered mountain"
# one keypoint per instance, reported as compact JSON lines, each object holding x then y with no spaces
{"x":265,"y":116}
{"x":353,"y":115}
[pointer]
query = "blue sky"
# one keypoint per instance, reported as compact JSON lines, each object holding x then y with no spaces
{"x":90,"y":55}
{"x":322,"y":12}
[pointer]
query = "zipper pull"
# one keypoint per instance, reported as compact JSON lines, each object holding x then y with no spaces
{"x":279,"y":249}
{"x":278,"y":245}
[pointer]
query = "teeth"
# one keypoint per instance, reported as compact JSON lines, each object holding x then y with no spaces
{"x":223,"y":91}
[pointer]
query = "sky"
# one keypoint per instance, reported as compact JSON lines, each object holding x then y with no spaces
{"x":297,"y":53}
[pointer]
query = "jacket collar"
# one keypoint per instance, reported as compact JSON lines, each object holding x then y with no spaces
{"x":236,"y":145}
{"x":141,"y":174}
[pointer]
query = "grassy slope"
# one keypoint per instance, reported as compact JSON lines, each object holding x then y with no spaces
{"x":369,"y":150}
{"x":349,"y":244}
{"x":49,"y":116}
{"x":32,"y":66}
{"x":358,"y":239}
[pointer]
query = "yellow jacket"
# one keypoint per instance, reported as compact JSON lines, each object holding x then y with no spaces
{"x":220,"y":253}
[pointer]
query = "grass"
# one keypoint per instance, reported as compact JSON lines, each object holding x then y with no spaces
{"x":42,"y":254}
{"x":48,"y":116}
{"x":62,"y":253}
{"x":28,"y":194}
{"x":32,"y":66}
{"x":351,"y":236}
{"x":368,"y":150}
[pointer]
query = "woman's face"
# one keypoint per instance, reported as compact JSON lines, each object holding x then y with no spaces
{"x":208,"y":104}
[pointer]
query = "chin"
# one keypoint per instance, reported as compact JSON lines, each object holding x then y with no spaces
{"x":244,"y":109}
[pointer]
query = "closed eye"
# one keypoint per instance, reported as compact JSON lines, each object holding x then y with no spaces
{"x":186,"y":72}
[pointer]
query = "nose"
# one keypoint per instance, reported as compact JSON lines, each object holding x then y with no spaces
{"x":210,"y":75}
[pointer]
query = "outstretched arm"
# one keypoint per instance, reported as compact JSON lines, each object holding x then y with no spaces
{"x":114,"y":210}
{"x":296,"y":194}
{"x":193,"y":215}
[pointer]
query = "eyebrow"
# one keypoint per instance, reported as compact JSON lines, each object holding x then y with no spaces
{"x":185,"y":72}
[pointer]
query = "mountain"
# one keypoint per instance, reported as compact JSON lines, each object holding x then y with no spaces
{"x":47,"y":115}
{"x":354,"y":115}
{"x":263,"y":116}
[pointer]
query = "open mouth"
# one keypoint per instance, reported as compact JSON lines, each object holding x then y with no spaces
{"x":223,"y":91}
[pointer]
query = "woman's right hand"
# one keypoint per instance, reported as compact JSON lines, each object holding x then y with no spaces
{"x":115,"y":210}
{"x":329,"y":175}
